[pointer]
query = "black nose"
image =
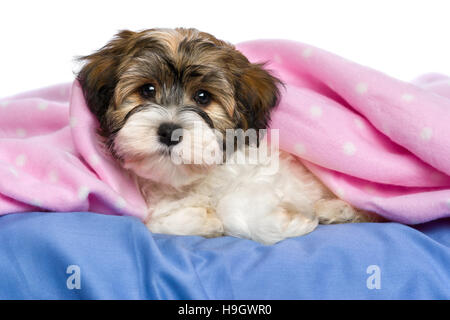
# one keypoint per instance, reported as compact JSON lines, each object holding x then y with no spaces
{"x":165,"y":132}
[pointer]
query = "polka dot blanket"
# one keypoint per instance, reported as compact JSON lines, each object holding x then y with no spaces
{"x":377,"y":142}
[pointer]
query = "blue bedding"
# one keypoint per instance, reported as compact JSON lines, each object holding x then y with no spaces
{"x":92,"y":256}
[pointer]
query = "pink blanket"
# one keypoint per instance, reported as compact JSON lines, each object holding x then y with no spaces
{"x":379,"y":143}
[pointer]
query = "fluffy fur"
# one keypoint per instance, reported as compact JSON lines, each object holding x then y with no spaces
{"x":144,"y":86}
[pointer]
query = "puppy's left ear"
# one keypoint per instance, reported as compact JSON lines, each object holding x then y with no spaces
{"x":257,"y":93}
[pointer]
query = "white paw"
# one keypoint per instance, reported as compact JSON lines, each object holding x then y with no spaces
{"x":188,"y":221}
{"x":282,"y":223}
{"x":334,"y":211}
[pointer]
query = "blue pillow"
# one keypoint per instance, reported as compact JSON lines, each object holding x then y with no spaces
{"x":93,"y":256}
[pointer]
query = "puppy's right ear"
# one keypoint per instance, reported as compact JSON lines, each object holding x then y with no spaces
{"x":98,"y":76}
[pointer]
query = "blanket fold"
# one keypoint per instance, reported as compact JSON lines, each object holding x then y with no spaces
{"x":377,"y":142}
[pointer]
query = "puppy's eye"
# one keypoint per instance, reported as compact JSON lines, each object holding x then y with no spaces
{"x":148,"y":91}
{"x":202,"y":97}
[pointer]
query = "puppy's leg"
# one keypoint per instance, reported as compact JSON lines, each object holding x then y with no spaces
{"x":338,"y":211}
{"x":283,"y":222}
{"x":187,"y":221}
{"x":327,"y":207}
{"x":260,"y":215}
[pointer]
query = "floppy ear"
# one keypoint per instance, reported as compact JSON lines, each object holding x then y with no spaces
{"x":257,"y":94}
{"x":98,"y":77}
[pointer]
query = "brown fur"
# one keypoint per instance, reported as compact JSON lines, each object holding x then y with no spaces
{"x":178,"y":62}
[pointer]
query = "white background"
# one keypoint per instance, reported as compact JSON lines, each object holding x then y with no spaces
{"x":39,"y":39}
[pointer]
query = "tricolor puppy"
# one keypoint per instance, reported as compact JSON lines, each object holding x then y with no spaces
{"x":169,"y":103}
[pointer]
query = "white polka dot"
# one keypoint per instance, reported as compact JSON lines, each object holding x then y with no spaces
{"x":13,"y":171}
{"x":21,"y":160}
{"x":21,"y":133}
{"x":83,"y":192}
{"x":315,"y":112}
{"x":369,"y":189}
{"x":277,"y":58}
{"x":359,"y":123}
{"x":120,"y":203}
{"x":68,"y":153}
{"x":36,"y":203}
{"x":340,"y":192}
{"x":94,"y":159}
{"x":43,"y":105}
{"x":361,"y":88}
{"x":300,"y":149}
{"x":426,"y":133}
{"x":407,"y":97}
{"x":377,"y":200}
{"x":349,"y":148}
{"x":307,"y":52}
{"x":73,"y":122}
{"x":385,"y":128}
{"x":53,"y":176}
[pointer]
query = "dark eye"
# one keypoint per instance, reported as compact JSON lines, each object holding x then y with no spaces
{"x":202,"y":97}
{"x":148,"y":91}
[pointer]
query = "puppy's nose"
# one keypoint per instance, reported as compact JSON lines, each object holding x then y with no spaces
{"x":165,"y":132}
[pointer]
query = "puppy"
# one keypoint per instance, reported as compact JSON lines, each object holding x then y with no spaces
{"x":166,"y":98}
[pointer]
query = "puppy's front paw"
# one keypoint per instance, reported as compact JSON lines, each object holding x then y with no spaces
{"x":335,"y":211}
{"x":197,"y":221}
{"x":282,"y":223}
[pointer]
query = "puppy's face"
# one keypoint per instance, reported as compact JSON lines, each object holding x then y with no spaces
{"x":155,"y":92}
